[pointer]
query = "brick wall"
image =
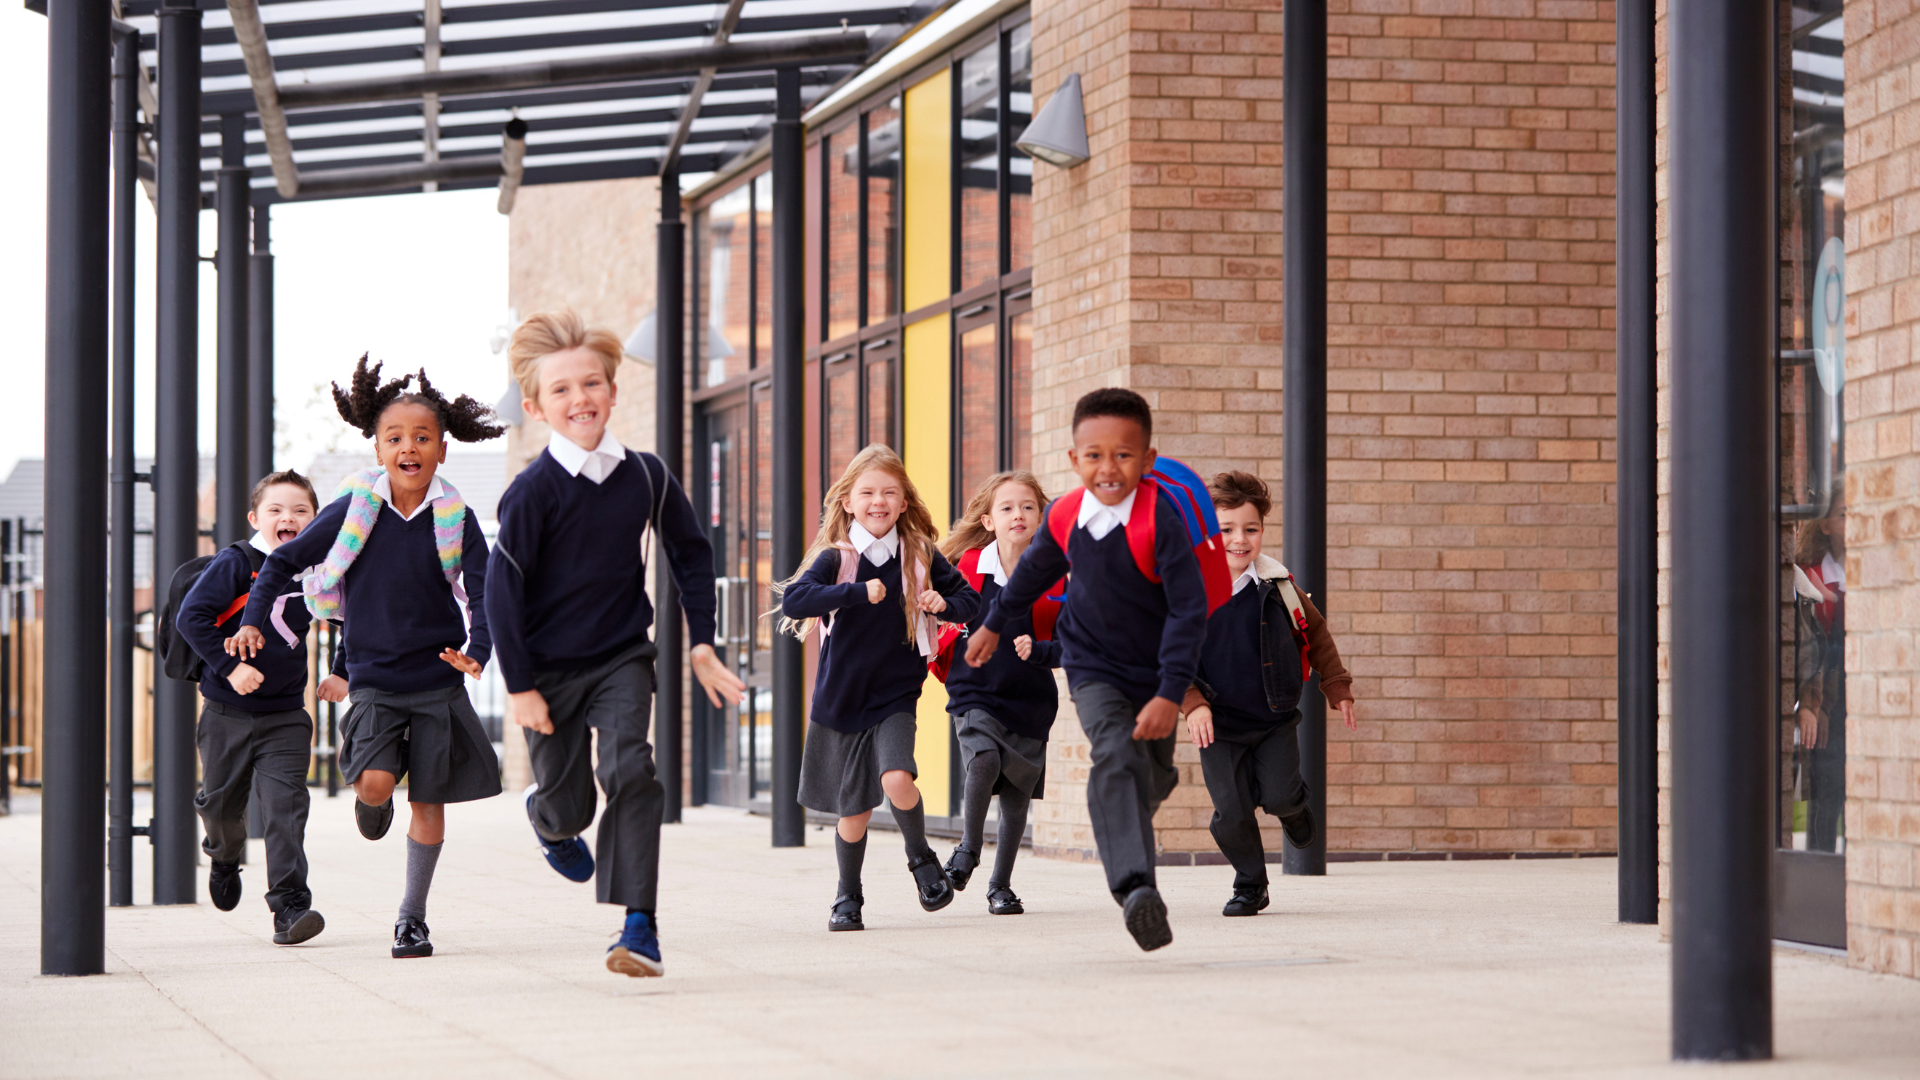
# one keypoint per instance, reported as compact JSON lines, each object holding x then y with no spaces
{"x":1883,"y":475}
{"x":1470,"y":450}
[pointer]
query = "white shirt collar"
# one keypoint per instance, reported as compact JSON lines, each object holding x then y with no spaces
{"x":1099,"y":519}
{"x":877,"y":549}
{"x":595,"y":464}
{"x":1835,"y":573}
{"x":1247,"y":577}
{"x":383,"y":487}
{"x":259,"y":542}
{"x":989,"y":563}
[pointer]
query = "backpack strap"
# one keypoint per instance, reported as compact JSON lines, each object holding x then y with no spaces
{"x":1141,"y":529}
{"x":969,"y":568}
{"x":255,"y":559}
{"x":1290,"y":597}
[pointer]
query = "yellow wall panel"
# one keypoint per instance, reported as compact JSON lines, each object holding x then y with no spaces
{"x":929,"y":192}
{"x":927,"y":385}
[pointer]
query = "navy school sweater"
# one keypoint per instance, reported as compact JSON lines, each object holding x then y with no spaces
{"x":1117,"y":627}
{"x":1231,"y":664}
{"x":1018,"y":693}
{"x":397,"y":608}
{"x":868,"y":669}
{"x":282,"y":667}
{"x":567,"y":581}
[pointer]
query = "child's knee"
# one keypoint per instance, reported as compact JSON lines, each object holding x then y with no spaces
{"x":853,"y":829}
{"x":986,"y":761}
{"x":374,"y":787}
{"x":898,"y":784}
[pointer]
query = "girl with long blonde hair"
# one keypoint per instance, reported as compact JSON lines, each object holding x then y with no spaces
{"x":873,"y":586}
{"x":1004,"y":709}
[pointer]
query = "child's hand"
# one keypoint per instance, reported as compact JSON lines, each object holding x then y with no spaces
{"x":1156,"y":721}
{"x":1200,"y":726}
{"x":245,"y":679}
{"x":1024,"y":646}
{"x":876,"y":592}
{"x":932,"y":602}
{"x":462,"y":661}
{"x":980,"y":646}
{"x":1346,"y":712}
{"x":245,"y":643}
{"x":529,"y":709}
{"x":723,"y":687}
{"x":331,"y":688}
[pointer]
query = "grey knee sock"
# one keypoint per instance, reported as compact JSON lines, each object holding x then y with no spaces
{"x":421,"y":859}
{"x":849,"y":856}
{"x":982,"y":771}
{"x":913,"y":826}
{"x":1013,"y":825}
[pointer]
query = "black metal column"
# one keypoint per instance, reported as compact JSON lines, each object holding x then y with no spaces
{"x":789,"y":427}
{"x":260,"y":348}
{"x":126,"y":186}
{"x":669,"y":369}
{"x":1304,"y":451}
{"x":176,"y":466}
{"x":233,"y":478}
{"x":74,"y":699}
{"x":1722,"y":156}
{"x":1637,"y":565}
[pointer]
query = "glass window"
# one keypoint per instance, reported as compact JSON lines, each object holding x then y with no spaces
{"x":1019,"y":165}
{"x":979,"y":408}
{"x":979,"y":157}
{"x":843,"y":234}
{"x":883,"y":211}
{"x":880,"y":394}
{"x":1020,"y":389}
{"x":763,"y":269}
{"x":843,"y":414}
{"x":729,"y":263}
{"x":762,"y":538}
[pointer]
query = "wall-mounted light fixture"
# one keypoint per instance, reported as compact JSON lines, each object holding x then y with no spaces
{"x":1058,"y":134}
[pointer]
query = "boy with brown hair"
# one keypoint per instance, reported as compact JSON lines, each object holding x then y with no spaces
{"x":1243,"y":709}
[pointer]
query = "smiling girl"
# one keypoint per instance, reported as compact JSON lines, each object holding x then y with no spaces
{"x":390,"y":555}
{"x":1002,"y":710}
{"x":872,"y":584}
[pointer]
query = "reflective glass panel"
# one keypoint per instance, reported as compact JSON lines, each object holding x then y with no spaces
{"x":762,"y":526}
{"x":843,"y":234}
{"x":1019,"y":165}
{"x":979,"y":408}
{"x":883,"y":211}
{"x":880,"y":380}
{"x":843,"y":415}
{"x":979,"y":157}
{"x":1020,"y":389}
{"x":763,"y":270}
{"x":729,"y":264}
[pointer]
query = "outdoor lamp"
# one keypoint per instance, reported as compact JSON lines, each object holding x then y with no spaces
{"x":640,"y":344}
{"x":1058,"y":134}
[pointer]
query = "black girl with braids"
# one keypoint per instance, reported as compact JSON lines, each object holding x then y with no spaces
{"x":398,"y":591}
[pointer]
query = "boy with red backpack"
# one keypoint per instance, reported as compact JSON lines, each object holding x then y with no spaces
{"x":1243,"y":711}
{"x":1130,"y":630}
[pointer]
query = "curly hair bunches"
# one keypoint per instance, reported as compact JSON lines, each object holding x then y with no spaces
{"x":368,"y":398}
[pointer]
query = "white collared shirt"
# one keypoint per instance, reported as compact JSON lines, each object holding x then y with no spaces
{"x":259,"y":542}
{"x":383,"y":487}
{"x":877,"y":549}
{"x":990,"y":564}
{"x":1099,"y":519}
{"x":596,"y":464}
{"x":1246,"y":578}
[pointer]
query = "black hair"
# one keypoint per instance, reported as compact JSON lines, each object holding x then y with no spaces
{"x":1114,"y":401}
{"x":284,"y":476}
{"x":462,"y":418}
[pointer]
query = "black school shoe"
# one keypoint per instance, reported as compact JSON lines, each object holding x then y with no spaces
{"x":1250,"y":901}
{"x":1299,"y":828}
{"x":223,"y":885}
{"x":960,"y":867}
{"x":1001,"y":901}
{"x":373,"y":820}
{"x":846,"y":913}
{"x":931,"y":882}
{"x":410,"y":938}
{"x":295,"y":925}
{"x":1146,"y":916}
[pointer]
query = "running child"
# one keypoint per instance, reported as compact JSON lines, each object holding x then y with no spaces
{"x":567,"y":604}
{"x":255,"y":733}
{"x":1002,"y":711}
{"x":1243,"y":711}
{"x":1129,"y":646}
{"x":872,"y":583}
{"x":390,"y":556}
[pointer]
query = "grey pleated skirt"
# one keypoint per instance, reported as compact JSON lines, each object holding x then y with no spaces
{"x":1023,"y":758}
{"x":840,"y":773}
{"x":433,"y":738}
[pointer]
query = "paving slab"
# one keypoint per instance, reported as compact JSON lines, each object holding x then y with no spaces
{"x":1430,"y":969}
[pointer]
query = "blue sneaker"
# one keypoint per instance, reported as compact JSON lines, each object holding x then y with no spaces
{"x":637,"y":953}
{"x":570,"y":858}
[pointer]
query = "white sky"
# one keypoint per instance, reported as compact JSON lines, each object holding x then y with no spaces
{"x":418,"y":280}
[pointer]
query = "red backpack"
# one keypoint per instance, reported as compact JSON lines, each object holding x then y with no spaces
{"x":1182,"y":487}
{"x":1045,"y":611}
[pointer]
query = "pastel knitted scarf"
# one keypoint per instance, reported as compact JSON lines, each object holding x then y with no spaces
{"x":323,"y":583}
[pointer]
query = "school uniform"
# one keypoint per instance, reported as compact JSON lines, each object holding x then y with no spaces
{"x":408,"y":711}
{"x":1124,"y":641}
{"x":867,"y":684}
{"x":1250,"y":676}
{"x":1005,"y":706}
{"x":567,"y":604}
{"x":252,"y":743}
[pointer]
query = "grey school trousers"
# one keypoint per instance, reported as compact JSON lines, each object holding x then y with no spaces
{"x":616,"y":697}
{"x":1244,"y":770}
{"x":1127,"y":782}
{"x":242,"y":751}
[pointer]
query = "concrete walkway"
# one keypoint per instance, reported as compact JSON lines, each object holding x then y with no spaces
{"x":1413,"y":969}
